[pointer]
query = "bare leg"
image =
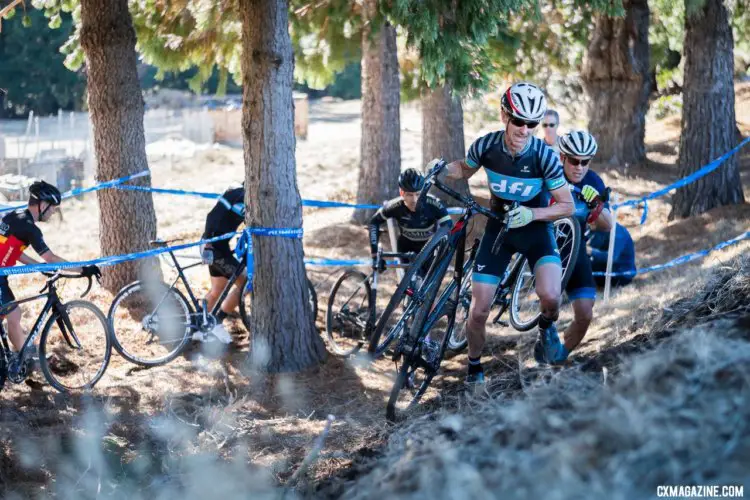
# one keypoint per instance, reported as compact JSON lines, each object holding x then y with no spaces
{"x":583,"y":313}
{"x":217,"y":286}
{"x":16,"y":332}
{"x":476,"y":331}
{"x":548,"y":280}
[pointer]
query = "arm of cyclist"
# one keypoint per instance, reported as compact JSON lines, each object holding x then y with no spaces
{"x":26,"y":259}
{"x":604,"y":221}
{"x":444,"y":219}
{"x":87,"y":271}
{"x":374,"y":229}
{"x":563,"y":206}
{"x":459,"y":169}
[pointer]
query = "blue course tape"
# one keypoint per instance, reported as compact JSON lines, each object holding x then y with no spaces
{"x":264,"y":231}
{"x":305,"y":203}
{"x":702,"y":172}
{"x":117,"y":259}
{"x":684,"y":258}
{"x":80,"y":191}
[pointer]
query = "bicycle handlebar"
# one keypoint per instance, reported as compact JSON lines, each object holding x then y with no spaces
{"x":468,"y":202}
{"x":54,"y":276}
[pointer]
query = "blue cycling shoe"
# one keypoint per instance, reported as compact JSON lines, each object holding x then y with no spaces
{"x":548,"y":348}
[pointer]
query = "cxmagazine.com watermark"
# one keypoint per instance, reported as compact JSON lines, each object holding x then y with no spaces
{"x":689,"y":491}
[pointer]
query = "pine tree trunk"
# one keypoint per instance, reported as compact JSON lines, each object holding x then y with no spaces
{"x":127,"y":220}
{"x":380,"y":162}
{"x":443,"y":133}
{"x":708,"y":117}
{"x":284,"y":337}
{"x":616,"y":79}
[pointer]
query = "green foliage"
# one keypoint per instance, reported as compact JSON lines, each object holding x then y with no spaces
{"x":326,"y":39}
{"x":32,"y":70}
{"x":667,"y":33}
{"x":182,"y":34}
{"x":474,"y":43}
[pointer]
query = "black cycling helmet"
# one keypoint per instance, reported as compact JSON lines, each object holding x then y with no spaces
{"x":41,"y":191}
{"x":411,"y":180}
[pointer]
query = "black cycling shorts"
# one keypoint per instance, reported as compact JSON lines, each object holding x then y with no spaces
{"x":6,"y":294}
{"x":581,"y":284}
{"x":225,"y":263}
{"x":535,"y":241}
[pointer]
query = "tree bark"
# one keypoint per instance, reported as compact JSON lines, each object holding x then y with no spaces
{"x":380,"y":162}
{"x":127,"y":220}
{"x":616,"y":79}
{"x":283,"y":331}
{"x":708,"y":117}
{"x":443,"y":133}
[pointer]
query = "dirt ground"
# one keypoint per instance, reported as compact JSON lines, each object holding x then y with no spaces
{"x":277,"y":419}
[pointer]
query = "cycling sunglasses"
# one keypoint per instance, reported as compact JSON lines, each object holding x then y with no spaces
{"x":549,"y":125}
{"x":575,"y":162}
{"x":520,"y":123}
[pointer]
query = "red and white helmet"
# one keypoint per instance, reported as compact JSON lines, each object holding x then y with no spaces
{"x":525,"y":101}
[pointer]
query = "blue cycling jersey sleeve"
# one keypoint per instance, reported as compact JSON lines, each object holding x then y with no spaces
{"x":552,"y":169}
{"x":478,"y":148}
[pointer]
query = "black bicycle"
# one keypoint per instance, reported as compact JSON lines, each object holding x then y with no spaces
{"x":74,"y":347}
{"x":352,"y":304}
{"x":521,"y":294}
{"x":152,"y":322}
{"x":418,"y":368}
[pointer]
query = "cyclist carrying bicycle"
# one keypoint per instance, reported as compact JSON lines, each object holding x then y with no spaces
{"x":18,"y":230}
{"x":577,"y":149}
{"x":520,"y":168}
{"x":225,"y":217}
{"x":416,"y":224}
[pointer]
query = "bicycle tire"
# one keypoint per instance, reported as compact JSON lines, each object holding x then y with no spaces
{"x":246,"y":298}
{"x":457,"y":340}
{"x":3,"y":366}
{"x":331,"y":321}
{"x":56,"y":318}
{"x":409,"y":368}
{"x":377,"y":348}
{"x":178,"y":346}
{"x":525,"y":324}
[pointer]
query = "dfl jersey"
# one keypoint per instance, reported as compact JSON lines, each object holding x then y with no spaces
{"x":523,"y":177}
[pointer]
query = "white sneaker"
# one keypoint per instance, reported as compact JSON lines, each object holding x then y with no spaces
{"x":221,"y":334}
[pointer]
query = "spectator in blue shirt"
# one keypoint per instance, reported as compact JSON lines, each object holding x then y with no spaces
{"x":623,"y":259}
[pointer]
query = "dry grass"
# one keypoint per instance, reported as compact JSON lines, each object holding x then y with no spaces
{"x":677,"y":413}
{"x":206,"y":426}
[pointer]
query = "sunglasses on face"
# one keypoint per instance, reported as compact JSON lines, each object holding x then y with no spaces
{"x":549,"y":125}
{"x":520,"y":123}
{"x":575,"y":162}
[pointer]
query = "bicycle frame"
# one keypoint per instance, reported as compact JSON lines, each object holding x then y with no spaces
{"x":197,"y":308}
{"x":373,"y":279}
{"x":53,"y":303}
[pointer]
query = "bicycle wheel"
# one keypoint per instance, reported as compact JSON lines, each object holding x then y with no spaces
{"x":524,"y":305}
{"x":3,"y":366}
{"x":246,"y":300}
{"x":435,"y":249}
{"x":78,"y":340}
{"x":457,"y":341}
{"x":151,"y":323}
{"x":350,"y":305}
{"x":416,"y":373}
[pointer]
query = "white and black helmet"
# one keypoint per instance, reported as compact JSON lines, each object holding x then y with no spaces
{"x":525,"y":101}
{"x":578,"y":143}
